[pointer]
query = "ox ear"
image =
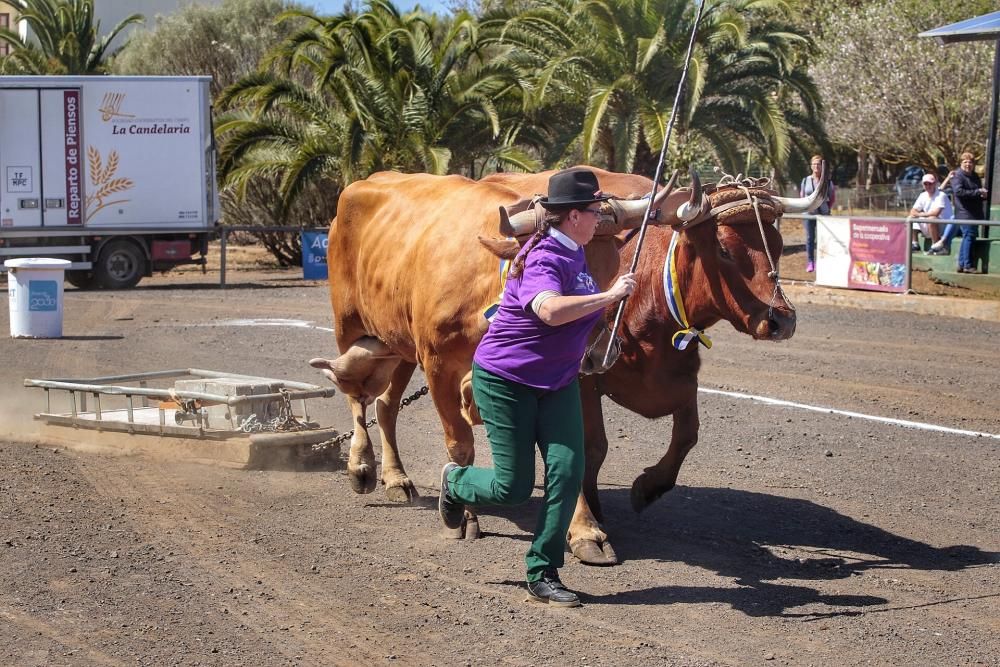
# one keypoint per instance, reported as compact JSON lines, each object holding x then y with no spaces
{"x":502,"y":248}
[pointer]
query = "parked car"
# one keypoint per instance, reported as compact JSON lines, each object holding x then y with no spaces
{"x":908,"y":185}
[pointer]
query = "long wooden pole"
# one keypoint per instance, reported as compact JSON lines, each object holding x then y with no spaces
{"x":656,"y":178}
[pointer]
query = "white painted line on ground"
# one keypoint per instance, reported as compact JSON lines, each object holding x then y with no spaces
{"x":885,"y":420}
{"x":303,"y":324}
{"x":266,"y":322}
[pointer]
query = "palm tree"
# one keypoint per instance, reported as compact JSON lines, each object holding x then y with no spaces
{"x":65,"y":38}
{"x":619,"y":63}
{"x":353,"y":94}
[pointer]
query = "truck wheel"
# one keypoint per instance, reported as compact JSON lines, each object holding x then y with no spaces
{"x":81,"y":279}
{"x":120,"y":265}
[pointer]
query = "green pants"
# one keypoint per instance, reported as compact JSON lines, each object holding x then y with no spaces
{"x":516,"y":418}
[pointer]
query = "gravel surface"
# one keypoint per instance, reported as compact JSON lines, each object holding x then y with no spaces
{"x":795,"y":536}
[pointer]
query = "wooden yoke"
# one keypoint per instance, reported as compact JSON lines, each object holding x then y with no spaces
{"x":526,"y":217}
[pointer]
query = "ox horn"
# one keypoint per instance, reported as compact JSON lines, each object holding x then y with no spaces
{"x":692,"y":208}
{"x":804,"y":204}
{"x":519,"y":224}
{"x":630,"y":211}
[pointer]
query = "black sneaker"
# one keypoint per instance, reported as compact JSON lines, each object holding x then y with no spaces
{"x":549,"y":590}
{"x":938,"y":251}
{"x":452,"y":512}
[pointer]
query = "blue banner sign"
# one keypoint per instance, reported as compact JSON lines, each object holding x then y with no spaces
{"x":314,"y":255}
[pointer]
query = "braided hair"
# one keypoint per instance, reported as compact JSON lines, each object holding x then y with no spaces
{"x":552,"y":218}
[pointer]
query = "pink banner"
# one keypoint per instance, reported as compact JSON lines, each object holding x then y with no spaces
{"x":74,"y":191}
{"x":878,"y":252}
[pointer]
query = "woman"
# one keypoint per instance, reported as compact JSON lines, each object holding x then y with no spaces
{"x":809,"y":185}
{"x":524,"y":377}
{"x":969,"y":199}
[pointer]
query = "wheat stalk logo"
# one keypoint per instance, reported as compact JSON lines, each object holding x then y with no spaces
{"x":105,"y":184}
{"x":111,"y":106}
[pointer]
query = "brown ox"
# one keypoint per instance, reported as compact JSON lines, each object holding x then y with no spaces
{"x":409,"y":283}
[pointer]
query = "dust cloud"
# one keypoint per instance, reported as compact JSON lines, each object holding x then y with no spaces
{"x":18,"y":405}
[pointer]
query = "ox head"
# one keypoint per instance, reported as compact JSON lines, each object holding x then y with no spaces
{"x":729,"y":252}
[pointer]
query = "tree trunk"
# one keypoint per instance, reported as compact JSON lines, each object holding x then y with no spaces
{"x":863,"y":179}
{"x":646,"y":160}
{"x":873,"y":166}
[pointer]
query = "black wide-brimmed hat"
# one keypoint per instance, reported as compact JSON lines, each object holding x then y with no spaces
{"x":573,"y":187}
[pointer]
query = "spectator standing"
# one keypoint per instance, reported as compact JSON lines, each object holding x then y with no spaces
{"x":809,"y":185}
{"x":969,"y":196}
{"x":931,"y":203}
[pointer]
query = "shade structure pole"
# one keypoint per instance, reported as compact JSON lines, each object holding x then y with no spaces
{"x":991,"y":144}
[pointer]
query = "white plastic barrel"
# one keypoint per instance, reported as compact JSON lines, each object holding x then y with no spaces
{"x":35,"y":291}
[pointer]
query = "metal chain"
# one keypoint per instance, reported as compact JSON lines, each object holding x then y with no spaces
{"x":284,"y":421}
{"x":344,"y":437}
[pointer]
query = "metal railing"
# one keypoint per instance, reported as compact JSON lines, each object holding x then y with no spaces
{"x":894,"y":218}
{"x":897,"y":220}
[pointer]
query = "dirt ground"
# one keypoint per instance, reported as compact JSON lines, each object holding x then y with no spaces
{"x":796,"y":536}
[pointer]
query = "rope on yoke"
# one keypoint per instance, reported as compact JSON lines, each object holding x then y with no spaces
{"x":744,"y":185}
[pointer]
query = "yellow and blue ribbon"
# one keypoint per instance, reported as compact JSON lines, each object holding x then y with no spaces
{"x":675,"y":303}
{"x":491,"y":312}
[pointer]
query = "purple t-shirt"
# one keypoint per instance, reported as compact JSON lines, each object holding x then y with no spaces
{"x":520,"y":347}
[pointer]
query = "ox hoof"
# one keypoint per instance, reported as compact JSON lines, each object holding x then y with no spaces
{"x":454,"y":533}
{"x":363,"y":479}
{"x":592,"y":552}
{"x":469,"y":530}
{"x":401,"y":493}
{"x":642,"y":496}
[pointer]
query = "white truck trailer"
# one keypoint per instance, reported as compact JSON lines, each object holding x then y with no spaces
{"x":114,"y":173}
